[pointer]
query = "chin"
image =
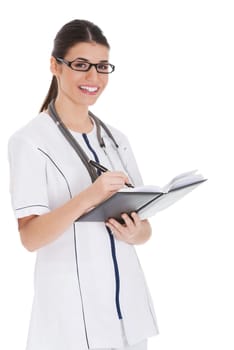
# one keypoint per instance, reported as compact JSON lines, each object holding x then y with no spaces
{"x":90,"y":101}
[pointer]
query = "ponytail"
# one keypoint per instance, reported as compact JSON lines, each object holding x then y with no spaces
{"x":52,"y":94}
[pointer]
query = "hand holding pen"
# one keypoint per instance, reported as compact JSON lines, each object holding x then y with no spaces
{"x":103,"y":169}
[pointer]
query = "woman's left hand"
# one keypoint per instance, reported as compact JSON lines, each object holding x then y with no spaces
{"x":133,"y":231}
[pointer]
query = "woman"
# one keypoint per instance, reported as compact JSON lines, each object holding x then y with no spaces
{"x":90,"y":291}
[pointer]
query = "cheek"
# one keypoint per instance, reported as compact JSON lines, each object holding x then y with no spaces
{"x":74,"y":79}
{"x":104,"y":81}
{"x":65,"y":80}
{"x":72,"y":82}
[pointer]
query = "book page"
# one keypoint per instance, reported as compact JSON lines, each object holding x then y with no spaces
{"x":165,"y":201}
{"x":182,"y":180}
{"x":147,"y":188}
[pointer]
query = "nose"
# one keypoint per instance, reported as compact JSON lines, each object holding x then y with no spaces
{"x":92,"y":74}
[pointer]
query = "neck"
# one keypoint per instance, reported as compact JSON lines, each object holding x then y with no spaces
{"x":75,"y":117}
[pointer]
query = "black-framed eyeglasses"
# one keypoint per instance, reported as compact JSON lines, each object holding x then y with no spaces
{"x":84,"y":66}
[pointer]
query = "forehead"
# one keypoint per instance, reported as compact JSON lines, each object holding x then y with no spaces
{"x":90,"y":51}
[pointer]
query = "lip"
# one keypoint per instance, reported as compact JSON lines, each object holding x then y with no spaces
{"x":89,"y":89}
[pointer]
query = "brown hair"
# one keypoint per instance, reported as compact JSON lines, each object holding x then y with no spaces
{"x":72,"y":33}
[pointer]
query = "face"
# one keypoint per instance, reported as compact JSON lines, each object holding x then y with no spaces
{"x":81,"y":88}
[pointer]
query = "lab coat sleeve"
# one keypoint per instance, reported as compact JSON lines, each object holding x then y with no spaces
{"x":28,"y":185}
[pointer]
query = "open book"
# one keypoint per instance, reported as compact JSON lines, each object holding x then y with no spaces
{"x":145,"y":200}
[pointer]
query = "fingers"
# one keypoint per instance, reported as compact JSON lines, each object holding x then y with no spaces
{"x":133,"y":231}
{"x":127,"y":231}
{"x":113,"y":180}
{"x":118,"y":230}
{"x":116,"y":177}
{"x":135,"y":217}
{"x":105,"y":186}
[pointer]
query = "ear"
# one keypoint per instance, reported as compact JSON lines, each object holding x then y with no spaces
{"x":54,"y":66}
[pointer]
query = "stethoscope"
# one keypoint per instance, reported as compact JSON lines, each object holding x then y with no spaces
{"x":76,"y":146}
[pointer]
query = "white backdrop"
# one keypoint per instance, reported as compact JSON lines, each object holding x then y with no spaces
{"x":172,"y":94}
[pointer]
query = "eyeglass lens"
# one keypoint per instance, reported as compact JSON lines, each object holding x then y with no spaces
{"x":85,"y":66}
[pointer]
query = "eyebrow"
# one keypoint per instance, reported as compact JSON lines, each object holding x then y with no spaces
{"x":85,"y":60}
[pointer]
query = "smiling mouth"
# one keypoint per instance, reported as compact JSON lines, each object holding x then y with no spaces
{"x":89,"y":89}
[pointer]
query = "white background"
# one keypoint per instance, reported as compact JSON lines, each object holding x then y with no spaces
{"x":172,"y":94}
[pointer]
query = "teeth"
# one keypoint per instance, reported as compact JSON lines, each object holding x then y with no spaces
{"x":89,"y":88}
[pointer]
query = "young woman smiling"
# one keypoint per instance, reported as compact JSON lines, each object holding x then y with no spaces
{"x":90,"y":290}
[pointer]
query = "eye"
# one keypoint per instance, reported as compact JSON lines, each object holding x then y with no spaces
{"x":104,"y":67}
{"x":78,"y":65}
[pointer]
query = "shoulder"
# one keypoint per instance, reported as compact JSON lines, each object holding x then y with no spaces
{"x":34,"y":131}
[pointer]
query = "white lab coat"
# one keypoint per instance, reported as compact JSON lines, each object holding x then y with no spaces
{"x":74,"y":302}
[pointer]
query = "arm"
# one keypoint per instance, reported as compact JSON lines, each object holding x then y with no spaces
{"x":39,"y":230}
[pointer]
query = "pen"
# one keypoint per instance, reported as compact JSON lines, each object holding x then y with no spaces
{"x":103,"y":169}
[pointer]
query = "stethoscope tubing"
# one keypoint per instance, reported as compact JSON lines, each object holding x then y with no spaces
{"x":76,"y":146}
